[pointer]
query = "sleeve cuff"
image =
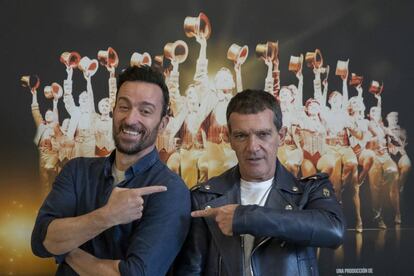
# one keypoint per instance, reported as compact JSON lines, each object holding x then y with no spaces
{"x":239,"y":220}
{"x":39,"y":236}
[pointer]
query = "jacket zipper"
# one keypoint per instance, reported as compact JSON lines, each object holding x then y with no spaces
{"x":243,"y":257}
{"x":262,"y":242}
{"x":254,"y":249}
{"x":219,"y":266}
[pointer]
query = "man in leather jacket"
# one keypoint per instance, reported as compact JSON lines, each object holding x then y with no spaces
{"x":257,"y":218}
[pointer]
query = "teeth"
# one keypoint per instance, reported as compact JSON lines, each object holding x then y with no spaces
{"x":135,"y":133}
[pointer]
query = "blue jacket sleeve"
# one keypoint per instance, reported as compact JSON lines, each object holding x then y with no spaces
{"x":317,"y":221}
{"x":60,"y":202}
{"x":160,"y":233}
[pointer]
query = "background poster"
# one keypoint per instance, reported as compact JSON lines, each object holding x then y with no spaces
{"x":376,"y":36}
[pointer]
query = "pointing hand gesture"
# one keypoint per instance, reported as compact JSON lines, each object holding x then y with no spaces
{"x":125,"y":205}
{"x":222,"y":215}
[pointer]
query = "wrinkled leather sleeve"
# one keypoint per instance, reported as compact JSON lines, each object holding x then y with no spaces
{"x":192,"y":258}
{"x":317,"y":220}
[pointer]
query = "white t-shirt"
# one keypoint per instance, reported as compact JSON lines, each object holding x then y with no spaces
{"x":118,"y":175}
{"x":252,"y":193}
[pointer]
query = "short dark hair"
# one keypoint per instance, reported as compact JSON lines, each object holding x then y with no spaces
{"x":252,"y":102}
{"x":146,"y":74}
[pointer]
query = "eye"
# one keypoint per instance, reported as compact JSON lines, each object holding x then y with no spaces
{"x":239,"y":136}
{"x":146,"y":111}
{"x":123,"y":107}
{"x":263,"y":134}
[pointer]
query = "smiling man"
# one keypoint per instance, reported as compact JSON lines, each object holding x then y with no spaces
{"x":257,"y":218}
{"x":126,"y":214}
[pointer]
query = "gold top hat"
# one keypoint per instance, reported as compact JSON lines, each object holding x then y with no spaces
{"x":176,"y":51}
{"x":314,"y":59}
{"x":197,"y":26}
{"x":108,"y":58}
{"x":88,"y":65}
{"x":268,"y":50}
{"x":295,"y":63}
{"x":355,"y":80}
{"x":139,"y":60}
{"x":376,"y":88}
{"x":237,"y":53}
{"x":32,"y":82}
{"x":342,"y":68}
{"x":70,"y":59}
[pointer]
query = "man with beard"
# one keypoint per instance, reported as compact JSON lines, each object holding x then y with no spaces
{"x":257,"y":218}
{"x":110,"y":216}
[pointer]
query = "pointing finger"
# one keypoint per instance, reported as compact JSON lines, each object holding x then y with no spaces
{"x":208,"y":212}
{"x":150,"y":190}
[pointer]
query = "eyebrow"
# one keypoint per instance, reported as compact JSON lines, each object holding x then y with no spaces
{"x":143,"y":103}
{"x":252,"y":131}
{"x":264,"y":130}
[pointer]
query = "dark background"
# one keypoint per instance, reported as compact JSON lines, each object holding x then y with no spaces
{"x":376,"y":35}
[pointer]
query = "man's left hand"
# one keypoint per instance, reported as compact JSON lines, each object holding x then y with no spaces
{"x":222,"y":215}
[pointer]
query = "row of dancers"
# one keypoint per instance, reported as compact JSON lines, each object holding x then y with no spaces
{"x":328,"y":133}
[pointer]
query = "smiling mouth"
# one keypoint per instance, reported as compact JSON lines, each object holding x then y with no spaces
{"x":132,"y":133}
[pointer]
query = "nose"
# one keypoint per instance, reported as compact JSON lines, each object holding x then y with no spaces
{"x":253,"y":143}
{"x":132,"y":117}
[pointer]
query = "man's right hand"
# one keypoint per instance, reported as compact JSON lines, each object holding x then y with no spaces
{"x":126,"y":205}
{"x":222,"y":215}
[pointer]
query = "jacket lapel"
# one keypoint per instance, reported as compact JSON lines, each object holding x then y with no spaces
{"x":229,"y":246}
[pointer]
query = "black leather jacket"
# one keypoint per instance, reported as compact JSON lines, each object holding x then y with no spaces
{"x":299,"y":215}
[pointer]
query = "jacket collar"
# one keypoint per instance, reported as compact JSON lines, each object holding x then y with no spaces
{"x":142,"y":165}
{"x":229,"y":184}
{"x":285,"y":184}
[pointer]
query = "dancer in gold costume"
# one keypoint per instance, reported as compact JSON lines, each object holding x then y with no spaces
{"x":383,"y":176}
{"x":396,"y":147}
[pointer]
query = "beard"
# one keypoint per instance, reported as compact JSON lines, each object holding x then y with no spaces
{"x":147,"y":139}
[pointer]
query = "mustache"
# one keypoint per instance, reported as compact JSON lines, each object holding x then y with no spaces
{"x":253,"y":156}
